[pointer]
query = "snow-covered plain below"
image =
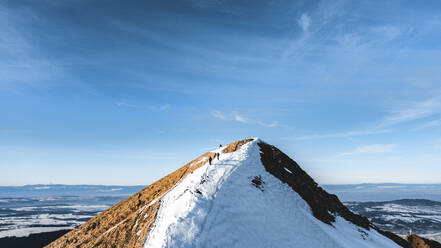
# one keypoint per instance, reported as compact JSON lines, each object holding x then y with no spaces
{"x":422,"y":217}
{"x":34,"y":209}
{"x":218,"y":206}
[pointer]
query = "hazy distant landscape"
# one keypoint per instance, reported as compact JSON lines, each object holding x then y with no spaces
{"x":33,"y":209}
{"x":422,"y":217}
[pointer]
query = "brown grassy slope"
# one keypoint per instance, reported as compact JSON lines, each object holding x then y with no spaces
{"x":127,"y":223}
{"x":235,"y":145}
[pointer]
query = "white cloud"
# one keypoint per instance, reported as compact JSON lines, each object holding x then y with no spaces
{"x":125,"y":104}
{"x":160,"y":107}
{"x":235,"y":116}
{"x":304,"y":22}
{"x":217,"y":114}
{"x":239,"y":118}
{"x":341,"y":134}
{"x":371,"y":150}
{"x":269,"y":124}
{"x":413,"y":111}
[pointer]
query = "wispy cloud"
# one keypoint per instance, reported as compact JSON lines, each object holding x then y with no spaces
{"x":20,"y":60}
{"x":304,"y":22}
{"x":125,"y":104}
{"x":235,"y":116}
{"x":412,"y":111}
{"x":152,"y":107}
{"x":164,"y":107}
{"x":407,"y":113}
{"x":340,"y":134}
{"x":374,"y":149}
{"x":161,"y":107}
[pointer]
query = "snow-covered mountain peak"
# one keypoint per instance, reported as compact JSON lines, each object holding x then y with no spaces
{"x":246,"y":194}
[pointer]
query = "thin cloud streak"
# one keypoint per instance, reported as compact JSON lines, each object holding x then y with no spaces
{"x":340,"y":134}
{"x":411,"y":112}
{"x":414,"y":111}
{"x":130,"y":105}
{"x":235,"y":116}
{"x":374,"y":149}
{"x":124,"y":104}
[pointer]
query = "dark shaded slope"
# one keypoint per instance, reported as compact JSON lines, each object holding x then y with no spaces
{"x":324,"y":206}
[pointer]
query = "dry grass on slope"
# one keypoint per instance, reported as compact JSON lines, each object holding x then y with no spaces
{"x":127,"y":223}
{"x":236,"y":145}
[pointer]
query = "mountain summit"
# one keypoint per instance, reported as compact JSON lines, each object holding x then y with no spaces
{"x":251,"y":195}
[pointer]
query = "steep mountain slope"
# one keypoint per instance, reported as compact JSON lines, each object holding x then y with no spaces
{"x":253,"y":196}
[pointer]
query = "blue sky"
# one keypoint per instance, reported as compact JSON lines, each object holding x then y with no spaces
{"x":111,"y":92}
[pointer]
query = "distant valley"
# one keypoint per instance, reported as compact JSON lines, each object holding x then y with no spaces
{"x":34,"y":209}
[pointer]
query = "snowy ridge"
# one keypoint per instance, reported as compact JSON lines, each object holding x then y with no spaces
{"x":184,"y":208}
{"x":218,"y":206}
